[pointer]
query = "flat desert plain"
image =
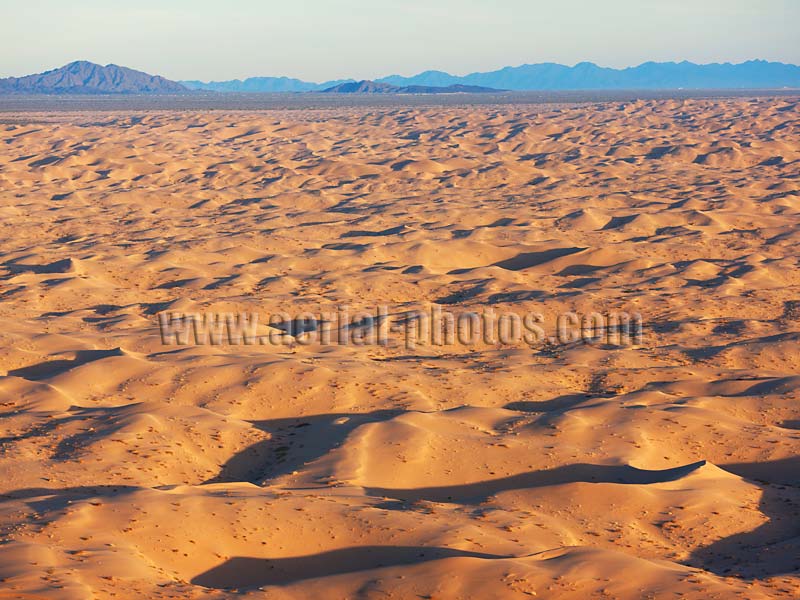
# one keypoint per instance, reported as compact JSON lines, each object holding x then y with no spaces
{"x":666,"y":466}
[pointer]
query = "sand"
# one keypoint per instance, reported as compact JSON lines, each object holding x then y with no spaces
{"x":131,"y":468}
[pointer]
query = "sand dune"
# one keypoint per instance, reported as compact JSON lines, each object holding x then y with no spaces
{"x":138,"y":469}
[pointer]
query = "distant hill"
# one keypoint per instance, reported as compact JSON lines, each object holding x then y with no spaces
{"x":261,"y":84}
{"x":362,"y":87}
{"x":448,"y":89}
{"x":373,"y":87}
{"x":435,"y":78}
{"x":83,"y":77}
{"x":589,"y":76}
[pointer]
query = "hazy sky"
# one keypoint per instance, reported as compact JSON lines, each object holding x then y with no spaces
{"x":326,"y":39}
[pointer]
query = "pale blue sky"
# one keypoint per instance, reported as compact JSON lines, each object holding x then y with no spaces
{"x":319,"y":40}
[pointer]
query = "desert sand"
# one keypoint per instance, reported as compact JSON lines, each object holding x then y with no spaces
{"x":131,"y":468}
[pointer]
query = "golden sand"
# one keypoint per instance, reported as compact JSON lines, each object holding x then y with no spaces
{"x":666,"y":468}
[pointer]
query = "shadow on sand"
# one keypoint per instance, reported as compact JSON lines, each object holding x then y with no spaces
{"x":294,"y":442}
{"x":774,"y":547}
{"x":242,"y":572}
{"x":478,"y":492}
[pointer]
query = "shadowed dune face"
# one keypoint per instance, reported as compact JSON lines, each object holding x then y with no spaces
{"x":777,"y":541}
{"x":52,"y":368}
{"x":240,"y":572}
{"x":292,"y":443}
{"x":482,"y":491}
{"x":528,"y":260}
{"x":131,"y":468}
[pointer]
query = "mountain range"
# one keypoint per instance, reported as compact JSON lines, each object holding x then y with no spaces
{"x":649,"y":75}
{"x":374,"y":87}
{"x":552,"y":76}
{"x":262,"y":84}
{"x":83,"y":77}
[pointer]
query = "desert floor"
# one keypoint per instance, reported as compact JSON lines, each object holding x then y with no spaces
{"x":135,"y":468}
